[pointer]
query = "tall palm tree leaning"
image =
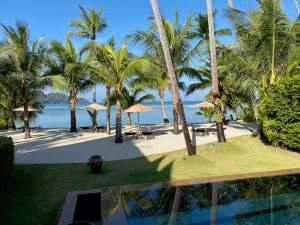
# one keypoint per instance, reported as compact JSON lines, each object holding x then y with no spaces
{"x":214,"y":73}
{"x":297,"y":7}
{"x":88,"y":26}
{"x":172,"y":75}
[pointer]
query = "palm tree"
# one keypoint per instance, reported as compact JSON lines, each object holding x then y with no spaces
{"x":297,"y":7}
{"x":115,"y":67}
{"x":26,"y":62}
{"x":172,"y":75}
{"x":8,"y":93}
{"x":88,"y":26}
{"x":66,"y":63}
{"x":182,"y":53}
{"x":270,"y":42}
{"x":130,"y":98}
{"x":214,"y":74}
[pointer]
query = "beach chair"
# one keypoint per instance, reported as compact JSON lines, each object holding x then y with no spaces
{"x":132,"y":134}
{"x":101,"y":128}
{"x":148,"y":135}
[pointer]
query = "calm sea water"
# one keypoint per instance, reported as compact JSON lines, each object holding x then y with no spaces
{"x":58,"y":115}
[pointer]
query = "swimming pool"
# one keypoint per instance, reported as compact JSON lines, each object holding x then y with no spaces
{"x":259,"y":201}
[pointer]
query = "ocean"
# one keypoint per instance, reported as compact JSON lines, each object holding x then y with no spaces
{"x":58,"y":115}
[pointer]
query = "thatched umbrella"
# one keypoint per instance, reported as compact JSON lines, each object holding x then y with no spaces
{"x":21,"y":109}
{"x":204,"y":105}
{"x":138,"y":109}
{"x":94,"y":106}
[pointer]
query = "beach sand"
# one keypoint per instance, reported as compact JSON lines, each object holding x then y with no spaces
{"x":48,"y":146}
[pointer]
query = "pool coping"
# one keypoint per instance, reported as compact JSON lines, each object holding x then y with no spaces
{"x":71,"y":199}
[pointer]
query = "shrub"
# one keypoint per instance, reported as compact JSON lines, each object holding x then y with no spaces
{"x":247,"y":114}
{"x":6,"y":161}
{"x":281,"y":113}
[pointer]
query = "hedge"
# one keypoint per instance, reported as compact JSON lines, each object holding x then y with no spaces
{"x":6,"y":161}
{"x":281,"y":122}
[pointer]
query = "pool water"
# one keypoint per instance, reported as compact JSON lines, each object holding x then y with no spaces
{"x":262,"y":201}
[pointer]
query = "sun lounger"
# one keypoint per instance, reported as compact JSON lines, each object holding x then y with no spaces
{"x":148,"y":134}
{"x":100,"y":128}
{"x":131,"y":134}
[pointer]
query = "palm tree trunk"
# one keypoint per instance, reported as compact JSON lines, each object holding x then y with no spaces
{"x":161,"y":94}
{"x":230,"y":4}
{"x":11,"y":116}
{"x":297,"y":7}
{"x":107,"y":109}
{"x":214,"y":204}
{"x":118,"y":138}
{"x":26,"y":118}
{"x":129,"y":121}
{"x":175,"y":117}
{"x":72,"y":102}
{"x":94,"y":94}
{"x":214,"y":73}
{"x":73,"y":117}
{"x":172,"y":75}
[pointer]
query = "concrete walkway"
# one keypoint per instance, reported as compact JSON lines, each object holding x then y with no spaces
{"x":49,"y":146}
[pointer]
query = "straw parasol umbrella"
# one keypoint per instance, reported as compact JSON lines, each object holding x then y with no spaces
{"x":138,"y":109}
{"x":21,"y":109}
{"x":204,"y":105}
{"x":94,"y":106}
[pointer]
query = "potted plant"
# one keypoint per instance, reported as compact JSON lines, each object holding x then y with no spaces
{"x":95,"y":162}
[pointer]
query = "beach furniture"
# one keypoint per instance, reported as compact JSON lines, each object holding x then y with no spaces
{"x":138,"y":108}
{"x":148,"y":135}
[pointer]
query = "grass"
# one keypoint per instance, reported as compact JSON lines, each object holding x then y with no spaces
{"x":38,"y":190}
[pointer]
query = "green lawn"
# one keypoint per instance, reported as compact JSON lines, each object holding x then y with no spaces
{"x":39,"y":190}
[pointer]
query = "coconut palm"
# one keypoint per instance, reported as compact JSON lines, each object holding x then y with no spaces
{"x":181,"y":49}
{"x":7,"y":92}
{"x":26,"y":62}
{"x":89,"y":48}
{"x":201,"y":31}
{"x":115,"y":67}
{"x":269,"y":52}
{"x":90,"y":23}
{"x":172,"y":75}
{"x":66,"y":63}
{"x":214,"y":73}
{"x":130,"y":98}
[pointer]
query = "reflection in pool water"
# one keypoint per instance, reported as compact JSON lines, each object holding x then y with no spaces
{"x":263,"y":201}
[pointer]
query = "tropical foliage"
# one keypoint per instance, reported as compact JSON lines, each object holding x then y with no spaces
{"x":244,"y":76}
{"x":21,"y":63}
{"x":280,"y":113}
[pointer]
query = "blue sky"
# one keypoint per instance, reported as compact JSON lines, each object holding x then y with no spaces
{"x":51,"y":18}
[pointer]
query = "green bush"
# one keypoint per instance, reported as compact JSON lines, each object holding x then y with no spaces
{"x":247,"y":114}
{"x":6,"y":161}
{"x":281,"y":113}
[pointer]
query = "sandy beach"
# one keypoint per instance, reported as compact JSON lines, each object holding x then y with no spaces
{"x":48,"y":146}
